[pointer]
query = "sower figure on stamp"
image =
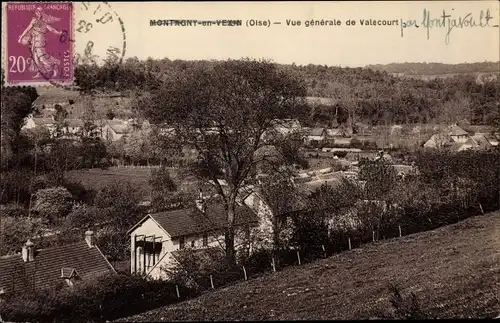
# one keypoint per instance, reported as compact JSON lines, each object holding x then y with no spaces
{"x":34,"y":36}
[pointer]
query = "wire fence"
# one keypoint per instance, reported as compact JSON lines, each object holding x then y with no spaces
{"x":268,"y":262}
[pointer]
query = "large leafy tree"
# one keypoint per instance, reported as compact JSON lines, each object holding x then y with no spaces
{"x":119,"y":204}
{"x":14,"y":231}
{"x":116,"y":208}
{"x":138,"y":146}
{"x":93,"y":149}
{"x":15,"y":106}
{"x":165,"y":193}
{"x":380,"y":178}
{"x":223,"y":110}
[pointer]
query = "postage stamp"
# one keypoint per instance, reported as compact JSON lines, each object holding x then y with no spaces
{"x":37,"y":44}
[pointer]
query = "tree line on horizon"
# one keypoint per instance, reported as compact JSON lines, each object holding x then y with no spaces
{"x":358,"y":95}
{"x":434,"y":68}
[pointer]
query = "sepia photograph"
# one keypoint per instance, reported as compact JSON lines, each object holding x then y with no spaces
{"x":249,"y":161}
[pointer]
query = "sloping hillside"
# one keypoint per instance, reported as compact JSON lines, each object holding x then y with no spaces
{"x":454,"y":272}
{"x":76,"y":104}
{"x":437,"y":68}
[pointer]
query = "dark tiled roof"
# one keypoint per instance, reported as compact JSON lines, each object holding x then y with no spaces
{"x":457,"y":131}
{"x":74,"y":122}
{"x":311,"y":186}
{"x":479,"y":129}
{"x":470,"y":142}
{"x":43,"y":121}
{"x":120,"y":128}
{"x":192,"y":221}
{"x":482,"y":141}
{"x":46,"y":270}
{"x":440,"y":139}
{"x":316,"y":131}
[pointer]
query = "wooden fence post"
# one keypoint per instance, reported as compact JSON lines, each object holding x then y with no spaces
{"x":211,"y":282}
{"x":373,"y":236}
{"x":324,"y":250}
{"x":481,"y":207}
{"x":273,"y":264}
{"x":298,"y":256}
{"x":349,"y":240}
{"x":245,"y":272}
{"x":400,"y":233}
{"x":177,"y":290}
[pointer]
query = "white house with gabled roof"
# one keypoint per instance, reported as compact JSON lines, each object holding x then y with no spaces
{"x":156,"y":237}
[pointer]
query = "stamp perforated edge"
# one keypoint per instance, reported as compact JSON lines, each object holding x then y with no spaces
{"x":45,"y":83}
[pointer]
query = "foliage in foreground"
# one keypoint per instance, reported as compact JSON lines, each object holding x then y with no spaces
{"x":406,"y":307}
{"x":106,"y":298}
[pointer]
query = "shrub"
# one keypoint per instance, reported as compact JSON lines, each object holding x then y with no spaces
{"x":340,"y":153}
{"x":355,"y":142}
{"x":15,"y":186}
{"x":12,"y":210}
{"x":194,"y":267}
{"x":114,"y":243}
{"x":367,"y":145}
{"x":119,"y":203}
{"x":53,"y":203}
{"x":15,"y":231}
{"x":406,"y":307}
{"x":107,"y":298}
{"x":79,"y":192}
{"x":259,"y":259}
{"x":310,"y":233}
{"x":83,"y":216}
{"x":339,"y":166}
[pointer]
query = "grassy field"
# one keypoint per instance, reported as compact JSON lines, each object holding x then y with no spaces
{"x":97,"y":178}
{"x":138,"y":177}
{"x":454,"y":272}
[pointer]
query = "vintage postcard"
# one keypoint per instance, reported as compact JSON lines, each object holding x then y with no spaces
{"x":249,"y":161}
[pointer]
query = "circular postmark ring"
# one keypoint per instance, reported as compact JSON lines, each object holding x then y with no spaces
{"x":67,"y":36}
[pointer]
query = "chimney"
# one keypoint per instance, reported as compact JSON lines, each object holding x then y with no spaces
{"x":28,"y":251}
{"x":89,"y":238}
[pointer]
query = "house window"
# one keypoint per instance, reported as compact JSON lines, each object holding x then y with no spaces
{"x":147,"y":253}
{"x":205,"y":240}
{"x":181,"y":243}
{"x":192,"y":244}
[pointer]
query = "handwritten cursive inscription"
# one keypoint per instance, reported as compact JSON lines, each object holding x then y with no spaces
{"x":449,"y":22}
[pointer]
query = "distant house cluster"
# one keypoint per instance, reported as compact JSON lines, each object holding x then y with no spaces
{"x":340,"y":136}
{"x":109,"y":130}
{"x":458,"y":139}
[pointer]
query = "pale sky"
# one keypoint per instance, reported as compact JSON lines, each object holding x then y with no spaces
{"x":331,"y":45}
